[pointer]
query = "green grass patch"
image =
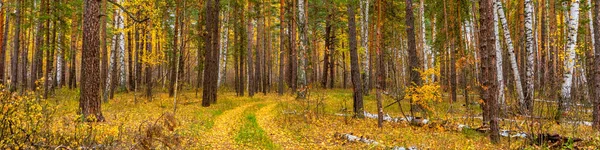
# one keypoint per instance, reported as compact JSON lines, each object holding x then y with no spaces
{"x":251,"y":134}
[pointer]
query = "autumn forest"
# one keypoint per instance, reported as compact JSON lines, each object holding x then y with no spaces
{"x":299,"y":74}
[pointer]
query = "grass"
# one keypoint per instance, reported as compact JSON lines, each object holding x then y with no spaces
{"x":252,"y":135}
{"x":305,"y":124}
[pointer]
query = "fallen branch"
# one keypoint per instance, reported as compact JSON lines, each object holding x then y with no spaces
{"x":352,"y":138}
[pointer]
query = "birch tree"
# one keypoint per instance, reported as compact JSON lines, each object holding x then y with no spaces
{"x":302,"y":52}
{"x":60,"y":62}
{"x":529,"y":46}
{"x":364,"y":42}
{"x":121,"y":46}
{"x":511,"y":52}
{"x":223,"y":47}
{"x":569,"y":62}
{"x":498,"y":58}
{"x":426,"y":48}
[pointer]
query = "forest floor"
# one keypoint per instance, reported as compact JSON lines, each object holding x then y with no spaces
{"x":278,"y":122}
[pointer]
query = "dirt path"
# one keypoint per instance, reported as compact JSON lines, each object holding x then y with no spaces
{"x":265,"y":117}
{"x":226,"y":125}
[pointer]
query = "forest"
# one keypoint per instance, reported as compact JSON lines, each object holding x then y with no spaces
{"x":299,"y":74}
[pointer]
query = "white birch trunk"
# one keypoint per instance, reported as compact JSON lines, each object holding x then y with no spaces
{"x":426,"y":50}
{"x":364,"y":41}
{"x":511,"y":52}
{"x":499,"y":71}
{"x":569,"y":61}
{"x":302,"y":51}
{"x":119,"y":40}
{"x":121,"y":43}
{"x":223,"y":47}
{"x":60,"y":61}
{"x":529,"y":46}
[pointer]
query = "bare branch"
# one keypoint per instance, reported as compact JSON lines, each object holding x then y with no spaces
{"x":128,"y":13}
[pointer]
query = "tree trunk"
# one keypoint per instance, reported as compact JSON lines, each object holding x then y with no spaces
{"x":281,"y":46}
{"x":258,"y":70}
{"x":103,"y":49}
{"x":223,"y":47}
{"x":413,"y":64}
{"x":511,"y":52}
{"x":293,"y":59}
{"x":328,"y":45}
{"x":356,"y":79}
{"x":425,"y":46}
{"x":527,"y":107}
{"x":596,"y":100}
{"x":121,"y":47}
{"x":14,"y":58}
{"x":364,"y":42}
{"x":302,"y":52}
{"x":173,"y":57}
{"x":130,"y":60}
{"x":149,"y":82}
{"x":488,"y":69}
{"x":89,"y":102}
{"x":4,"y":41}
{"x":209,"y":93}
{"x":498,"y":49}
{"x":569,"y":62}
{"x":250,"y":54}
{"x":380,"y":66}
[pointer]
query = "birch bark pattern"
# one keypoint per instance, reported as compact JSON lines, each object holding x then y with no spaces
{"x":364,"y":42}
{"x":511,"y":53}
{"x":499,"y":71}
{"x":529,"y":64}
{"x":569,"y":62}
{"x":302,"y":52}
{"x":223,"y":47}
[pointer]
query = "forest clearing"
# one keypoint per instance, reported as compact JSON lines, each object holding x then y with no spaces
{"x":299,"y":74}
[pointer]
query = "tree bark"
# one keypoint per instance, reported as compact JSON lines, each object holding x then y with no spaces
{"x":149,"y":82}
{"x":89,"y":102}
{"x":173,"y":65}
{"x":487,"y":41}
{"x":302,"y":51}
{"x":569,"y":62}
{"x":364,"y":42}
{"x":14,"y":58}
{"x":499,"y":71}
{"x":209,"y":94}
{"x":511,"y":52}
{"x":281,"y":46}
{"x":356,"y":79}
{"x":529,"y":46}
{"x":596,"y":100}
{"x":413,"y":64}
{"x":250,"y":54}
{"x":223,"y":47}
{"x":4,"y":33}
{"x":380,"y":67}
